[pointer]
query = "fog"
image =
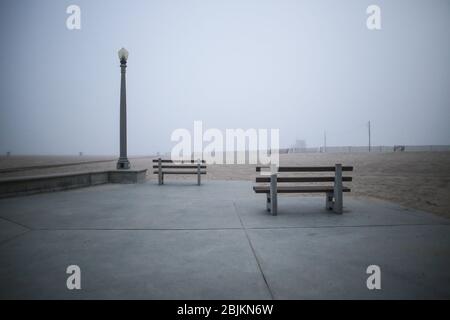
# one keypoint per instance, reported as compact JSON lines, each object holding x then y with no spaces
{"x":300,"y":66}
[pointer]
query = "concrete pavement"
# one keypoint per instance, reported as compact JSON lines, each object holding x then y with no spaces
{"x":216,"y":241}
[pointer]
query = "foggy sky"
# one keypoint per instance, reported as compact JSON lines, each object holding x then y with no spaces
{"x":300,"y":66}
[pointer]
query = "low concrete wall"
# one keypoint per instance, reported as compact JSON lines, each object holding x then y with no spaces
{"x":36,"y":184}
{"x":127,"y":176}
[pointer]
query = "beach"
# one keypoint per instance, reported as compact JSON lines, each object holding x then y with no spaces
{"x":419,"y":180}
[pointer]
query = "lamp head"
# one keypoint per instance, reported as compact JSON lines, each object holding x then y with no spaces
{"x":123,"y":55}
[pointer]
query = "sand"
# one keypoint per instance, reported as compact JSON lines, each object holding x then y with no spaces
{"x":419,"y":180}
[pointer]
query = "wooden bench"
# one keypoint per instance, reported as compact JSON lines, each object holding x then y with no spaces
{"x":275,"y":184}
{"x":179,"y":167}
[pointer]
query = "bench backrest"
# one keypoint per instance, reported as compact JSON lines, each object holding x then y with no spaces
{"x":337,"y":170}
{"x":170,"y":164}
{"x":180,"y":161}
{"x":307,"y":169}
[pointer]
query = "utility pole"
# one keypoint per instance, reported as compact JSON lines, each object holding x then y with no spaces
{"x":324,"y":141}
{"x":368,"y":125}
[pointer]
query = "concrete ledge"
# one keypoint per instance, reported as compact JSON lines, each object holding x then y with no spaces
{"x":127,"y":176}
{"x":36,"y":184}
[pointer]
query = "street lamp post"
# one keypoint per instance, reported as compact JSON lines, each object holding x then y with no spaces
{"x":123,"y":162}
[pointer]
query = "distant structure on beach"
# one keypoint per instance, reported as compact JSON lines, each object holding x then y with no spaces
{"x":354,"y":149}
{"x":298,"y":146}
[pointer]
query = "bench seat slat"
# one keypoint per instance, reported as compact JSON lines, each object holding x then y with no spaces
{"x":298,"y":189}
{"x":180,"y":161}
{"x":181,"y":166}
{"x":180,"y":172}
{"x":307,"y":169}
{"x":301,"y":179}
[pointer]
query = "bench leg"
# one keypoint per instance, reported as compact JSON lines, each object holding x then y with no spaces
{"x":198,"y":173}
{"x":329,"y":201}
{"x":160,"y":174}
{"x":273,"y":194}
{"x":268,"y":202}
{"x":337,"y":206}
{"x":273,"y":204}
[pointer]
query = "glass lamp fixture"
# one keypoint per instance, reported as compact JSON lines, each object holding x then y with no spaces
{"x":123,"y":54}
